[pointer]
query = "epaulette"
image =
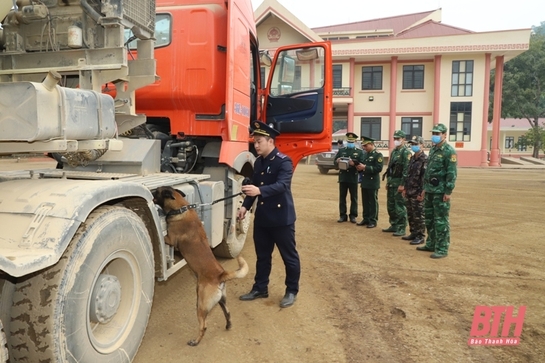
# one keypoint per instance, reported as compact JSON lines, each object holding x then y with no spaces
{"x":280,"y":155}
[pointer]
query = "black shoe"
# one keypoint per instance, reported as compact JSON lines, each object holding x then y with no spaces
{"x":371,"y":225}
{"x":417,"y":241}
{"x":424,"y":248}
{"x":252,"y":295}
{"x":409,"y":237}
{"x":342,"y":219}
{"x":353,"y":220}
{"x":398,"y":234}
{"x":437,"y":255}
{"x":288,"y":300}
{"x":363,"y":223}
{"x":389,"y":229}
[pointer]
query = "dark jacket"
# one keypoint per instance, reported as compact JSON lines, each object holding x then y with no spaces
{"x":272,"y":175}
{"x":414,"y":181}
{"x":373,"y":166}
{"x":351,"y":174}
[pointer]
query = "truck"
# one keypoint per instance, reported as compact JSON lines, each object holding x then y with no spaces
{"x":127,"y":96}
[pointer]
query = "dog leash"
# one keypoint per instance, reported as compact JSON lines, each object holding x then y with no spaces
{"x":185,"y":208}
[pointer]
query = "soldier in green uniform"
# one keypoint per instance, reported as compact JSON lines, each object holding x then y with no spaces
{"x":439,"y":180}
{"x":370,"y":168}
{"x":398,"y":166}
{"x":347,"y":158}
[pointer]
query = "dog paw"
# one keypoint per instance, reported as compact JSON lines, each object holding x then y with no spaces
{"x":192,"y":342}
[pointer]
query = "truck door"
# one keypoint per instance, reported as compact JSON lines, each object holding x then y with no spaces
{"x":299,"y":98}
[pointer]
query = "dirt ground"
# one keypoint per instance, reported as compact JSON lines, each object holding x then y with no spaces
{"x":366,"y":296}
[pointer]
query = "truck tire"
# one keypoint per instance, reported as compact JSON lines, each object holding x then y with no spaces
{"x":323,"y":170}
{"x":4,"y":357}
{"x":237,"y":231}
{"x":94,"y":304}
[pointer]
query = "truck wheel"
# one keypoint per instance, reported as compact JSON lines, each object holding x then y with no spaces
{"x":323,"y":170}
{"x":94,"y":304}
{"x":237,"y":231}
{"x":3,"y":345}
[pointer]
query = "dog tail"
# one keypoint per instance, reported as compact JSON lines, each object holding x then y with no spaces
{"x":237,"y":274}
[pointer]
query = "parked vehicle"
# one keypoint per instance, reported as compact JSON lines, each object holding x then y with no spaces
{"x":326,"y":160}
{"x":85,"y":242}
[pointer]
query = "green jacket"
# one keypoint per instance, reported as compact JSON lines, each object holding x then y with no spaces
{"x":440,"y":175}
{"x":370,"y":178}
{"x":398,"y":166}
{"x":350,"y":175}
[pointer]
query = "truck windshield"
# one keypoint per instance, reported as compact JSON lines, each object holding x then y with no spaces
{"x":162,"y":32}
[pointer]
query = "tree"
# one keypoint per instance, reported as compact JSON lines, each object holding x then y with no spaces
{"x":524,"y":88}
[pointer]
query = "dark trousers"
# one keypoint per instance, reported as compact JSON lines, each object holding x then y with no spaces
{"x":344,"y":188}
{"x":415,"y":215}
{"x":284,"y":238}
{"x":370,"y":205}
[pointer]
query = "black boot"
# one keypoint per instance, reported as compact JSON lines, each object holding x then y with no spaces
{"x":409,"y":237}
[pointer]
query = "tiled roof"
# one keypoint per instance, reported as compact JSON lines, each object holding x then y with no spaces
{"x":431,"y":28}
{"x":397,"y":23}
{"x":515,"y":123}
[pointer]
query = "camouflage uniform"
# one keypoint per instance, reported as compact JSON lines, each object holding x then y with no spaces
{"x":413,"y":188}
{"x":439,"y":179}
{"x":348,"y":182}
{"x":397,"y":171}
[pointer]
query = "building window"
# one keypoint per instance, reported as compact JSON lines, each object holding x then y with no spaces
{"x":412,"y":126}
{"x":297,"y":79}
{"x":370,"y":127}
{"x":263,"y":79}
{"x":509,"y":142}
{"x":521,"y":143}
{"x":462,"y":78}
{"x":460,"y":121}
{"x":337,"y":76}
{"x":371,"y":78}
{"x":413,"y":77}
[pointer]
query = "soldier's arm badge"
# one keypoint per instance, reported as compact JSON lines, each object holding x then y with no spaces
{"x":379,"y":160}
{"x":453,"y":158}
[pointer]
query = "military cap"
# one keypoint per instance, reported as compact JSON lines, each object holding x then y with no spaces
{"x":260,"y":128}
{"x":439,"y":128}
{"x":351,"y":137}
{"x":366,"y":140}
{"x":400,"y":133}
{"x":416,"y":140}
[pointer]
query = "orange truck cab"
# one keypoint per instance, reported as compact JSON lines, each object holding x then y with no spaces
{"x":209,"y":88}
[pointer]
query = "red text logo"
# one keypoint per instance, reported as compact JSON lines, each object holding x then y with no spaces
{"x":486,"y":324}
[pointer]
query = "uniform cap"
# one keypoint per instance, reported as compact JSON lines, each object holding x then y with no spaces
{"x":366,"y":140}
{"x":400,"y":133}
{"x":416,"y":140}
{"x":439,"y":128}
{"x":260,"y":128}
{"x":351,"y":137}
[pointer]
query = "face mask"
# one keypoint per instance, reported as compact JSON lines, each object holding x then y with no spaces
{"x":397,"y":143}
{"x":436,"y":139}
{"x":350,"y":145}
{"x":415,"y":148}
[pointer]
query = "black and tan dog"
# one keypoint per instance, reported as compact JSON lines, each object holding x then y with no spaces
{"x":186,"y":233}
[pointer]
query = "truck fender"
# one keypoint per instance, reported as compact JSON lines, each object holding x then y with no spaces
{"x":44,"y":214}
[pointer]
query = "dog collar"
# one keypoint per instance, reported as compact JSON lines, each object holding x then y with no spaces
{"x":185,"y":208}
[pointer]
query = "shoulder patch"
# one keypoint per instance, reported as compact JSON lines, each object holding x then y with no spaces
{"x":280,"y":155}
{"x":453,"y":158}
{"x":379,"y":159}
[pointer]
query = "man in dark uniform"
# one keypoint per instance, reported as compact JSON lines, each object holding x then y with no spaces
{"x":274,"y":222}
{"x":370,"y":168}
{"x":414,"y":192}
{"x":439,"y":181}
{"x":397,"y":170}
{"x":347,"y":158}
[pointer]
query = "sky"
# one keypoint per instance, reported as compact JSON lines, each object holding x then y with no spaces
{"x":475,"y":15}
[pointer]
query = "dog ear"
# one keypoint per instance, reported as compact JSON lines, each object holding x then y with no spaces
{"x":179,"y":191}
{"x":167,"y":194}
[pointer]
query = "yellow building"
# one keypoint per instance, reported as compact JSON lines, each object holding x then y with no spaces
{"x":408,"y":72}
